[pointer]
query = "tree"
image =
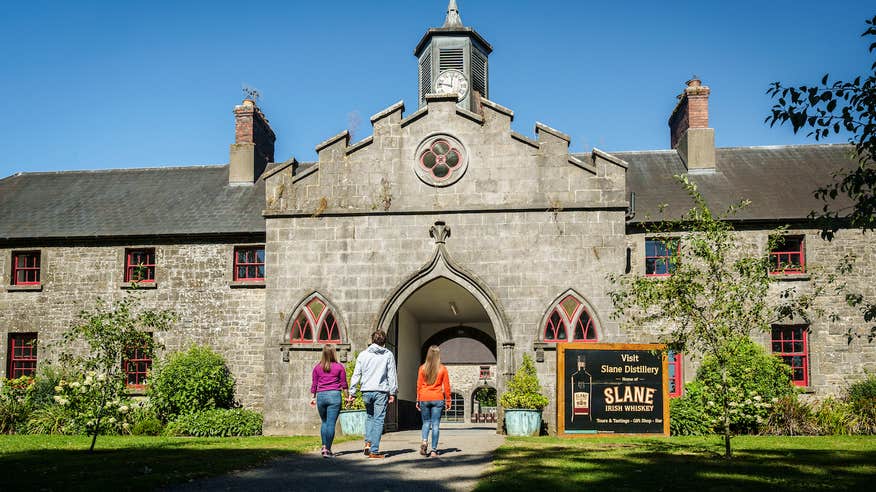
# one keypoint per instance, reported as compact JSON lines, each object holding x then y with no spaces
{"x":840,"y":107}
{"x":111,"y":330}
{"x":715,"y":297}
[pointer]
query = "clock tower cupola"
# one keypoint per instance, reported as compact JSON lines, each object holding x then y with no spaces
{"x":453,"y":58}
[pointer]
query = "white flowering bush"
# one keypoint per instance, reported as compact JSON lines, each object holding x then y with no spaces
{"x":83,"y":398}
{"x":757,"y":380}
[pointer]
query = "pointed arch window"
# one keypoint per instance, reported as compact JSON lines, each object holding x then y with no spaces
{"x":315,"y":322}
{"x":569,"y":321}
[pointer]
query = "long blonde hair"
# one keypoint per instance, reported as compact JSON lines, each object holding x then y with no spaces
{"x":328,"y":356}
{"x":433,"y":364}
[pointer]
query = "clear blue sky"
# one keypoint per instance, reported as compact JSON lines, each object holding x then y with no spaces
{"x":108,"y":84}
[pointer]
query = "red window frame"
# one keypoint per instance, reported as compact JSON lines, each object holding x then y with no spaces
{"x":29,"y":271}
{"x":561,"y":326}
{"x":791,"y":344}
{"x":661,"y":259}
{"x":484,"y":372}
{"x":675,"y":374}
{"x":247,"y":267}
{"x":785,"y":254}
{"x":323,"y":318}
{"x":22,"y":355}
{"x":140,"y":261}
{"x":136,"y":366}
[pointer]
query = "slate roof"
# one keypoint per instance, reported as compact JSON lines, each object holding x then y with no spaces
{"x":129,"y":202}
{"x":778,"y":180}
{"x":197,"y":200}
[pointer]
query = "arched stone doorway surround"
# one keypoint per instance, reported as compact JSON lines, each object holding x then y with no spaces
{"x":442,"y":266}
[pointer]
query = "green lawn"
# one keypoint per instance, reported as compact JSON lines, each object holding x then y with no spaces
{"x":684,"y":463}
{"x":132,"y":463}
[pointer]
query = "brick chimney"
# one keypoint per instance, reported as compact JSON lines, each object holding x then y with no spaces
{"x":690,"y":134}
{"x":253,"y":146}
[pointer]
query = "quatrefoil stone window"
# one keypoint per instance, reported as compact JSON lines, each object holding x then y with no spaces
{"x":440,"y":160}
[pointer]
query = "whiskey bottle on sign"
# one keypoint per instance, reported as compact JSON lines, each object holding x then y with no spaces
{"x":582,"y":384}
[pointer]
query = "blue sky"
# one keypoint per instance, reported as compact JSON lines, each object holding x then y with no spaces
{"x":108,"y":84}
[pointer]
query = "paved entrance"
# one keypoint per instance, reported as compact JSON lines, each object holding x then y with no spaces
{"x":466,"y":455}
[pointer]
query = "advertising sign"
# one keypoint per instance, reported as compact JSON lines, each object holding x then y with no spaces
{"x":612,"y":388}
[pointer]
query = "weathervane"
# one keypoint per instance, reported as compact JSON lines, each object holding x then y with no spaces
{"x":251,"y":93}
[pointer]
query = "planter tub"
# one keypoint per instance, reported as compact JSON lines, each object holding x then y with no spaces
{"x":353,"y":422}
{"x":520,"y":422}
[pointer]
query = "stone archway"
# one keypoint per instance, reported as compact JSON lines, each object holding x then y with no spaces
{"x":438,"y":296}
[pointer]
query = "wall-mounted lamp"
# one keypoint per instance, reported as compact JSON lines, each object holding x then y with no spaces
{"x":285,"y":355}
{"x":453,"y":308}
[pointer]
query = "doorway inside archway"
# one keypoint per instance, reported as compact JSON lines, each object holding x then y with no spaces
{"x":441,"y":313}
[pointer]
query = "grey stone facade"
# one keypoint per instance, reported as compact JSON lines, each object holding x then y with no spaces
{"x":192,"y":279}
{"x":486,"y":241}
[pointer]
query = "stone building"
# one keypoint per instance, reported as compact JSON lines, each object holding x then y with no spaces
{"x":444,"y":226}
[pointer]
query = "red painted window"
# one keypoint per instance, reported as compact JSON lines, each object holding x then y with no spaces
{"x":315,"y":313}
{"x":791,"y":343}
{"x":249,"y":263}
{"x":675,"y":379}
{"x":136,"y":366}
{"x":22,"y":355}
{"x":26,"y":268}
{"x":661,"y":256}
{"x":140,"y":265}
{"x":788,"y":256}
{"x":485,"y":372}
{"x":570,"y":312}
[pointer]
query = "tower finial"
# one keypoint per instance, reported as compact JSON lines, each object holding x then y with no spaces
{"x":452,"y":19}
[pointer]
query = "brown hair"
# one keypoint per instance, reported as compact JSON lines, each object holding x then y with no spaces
{"x":433,"y":363}
{"x":379,"y":338}
{"x":328,"y":356}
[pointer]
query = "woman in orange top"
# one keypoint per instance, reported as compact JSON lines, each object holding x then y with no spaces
{"x":433,"y":396}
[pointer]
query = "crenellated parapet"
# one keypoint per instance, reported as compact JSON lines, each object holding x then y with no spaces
{"x":443,"y":157}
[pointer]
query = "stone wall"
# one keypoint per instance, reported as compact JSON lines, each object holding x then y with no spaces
{"x":192,"y":279}
{"x":834,"y":361}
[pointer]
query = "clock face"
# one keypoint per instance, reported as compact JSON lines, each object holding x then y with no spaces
{"x":450,"y":81}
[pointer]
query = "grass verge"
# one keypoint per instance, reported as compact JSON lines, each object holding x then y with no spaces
{"x":133,"y":462}
{"x":683,"y":463}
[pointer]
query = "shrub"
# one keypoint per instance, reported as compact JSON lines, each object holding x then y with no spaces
{"x":791,"y":416}
{"x":757,"y":380}
{"x":358,"y":403}
{"x":217,"y":423}
{"x":862,"y":398}
{"x":48,"y":377}
{"x":833,"y":417}
{"x":15,"y":403}
{"x":524,"y":389}
{"x":84,"y":398}
{"x":50,"y":419}
{"x":151,"y":426}
{"x":687,"y":415}
{"x":189,"y":382}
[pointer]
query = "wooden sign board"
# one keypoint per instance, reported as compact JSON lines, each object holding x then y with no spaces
{"x":612,"y":388}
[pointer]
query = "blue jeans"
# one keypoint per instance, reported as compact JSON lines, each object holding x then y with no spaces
{"x":375,"y":410}
{"x":328,"y":404}
{"x":430,"y":411}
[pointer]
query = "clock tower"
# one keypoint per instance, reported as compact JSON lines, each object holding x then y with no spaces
{"x":453,"y":58}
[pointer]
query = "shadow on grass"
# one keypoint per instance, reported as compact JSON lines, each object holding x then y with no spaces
{"x":664,"y":465}
{"x":123,"y":469}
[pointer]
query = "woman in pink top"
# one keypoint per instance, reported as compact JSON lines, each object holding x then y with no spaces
{"x":329,"y":381}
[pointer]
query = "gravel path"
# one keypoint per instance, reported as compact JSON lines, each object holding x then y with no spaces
{"x":466,"y":454}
